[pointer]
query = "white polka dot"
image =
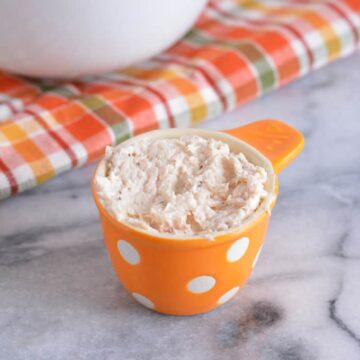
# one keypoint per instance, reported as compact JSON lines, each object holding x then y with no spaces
{"x":237,"y":249}
{"x":256,"y":258}
{"x":143,"y":300}
{"x":128,"y":252}
{"x":201,"y":284}
{"x":228,"y":295}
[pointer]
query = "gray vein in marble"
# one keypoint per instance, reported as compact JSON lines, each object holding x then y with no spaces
{"x":340,"y":323}
{"x":25,"y":246}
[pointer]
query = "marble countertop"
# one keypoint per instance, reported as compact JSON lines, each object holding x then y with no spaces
{"x":59,"y":298}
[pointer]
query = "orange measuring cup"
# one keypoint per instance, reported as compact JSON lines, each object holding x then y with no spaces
{"x":186,"y":275}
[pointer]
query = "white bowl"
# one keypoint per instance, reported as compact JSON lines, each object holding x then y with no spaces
{"x":70,"y":38}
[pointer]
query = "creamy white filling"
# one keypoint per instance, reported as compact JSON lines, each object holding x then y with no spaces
{"x":186,"y":186}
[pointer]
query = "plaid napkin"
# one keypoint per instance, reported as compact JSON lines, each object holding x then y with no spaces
{"x":237,"y":51}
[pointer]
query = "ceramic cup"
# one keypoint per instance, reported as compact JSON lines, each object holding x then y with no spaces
{"x":186,"y":275}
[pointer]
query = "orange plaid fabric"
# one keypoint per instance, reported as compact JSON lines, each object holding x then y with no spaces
{"x":237,"y":51}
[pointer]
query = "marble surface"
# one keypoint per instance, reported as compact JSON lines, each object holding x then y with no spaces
{"x":59,"y":298}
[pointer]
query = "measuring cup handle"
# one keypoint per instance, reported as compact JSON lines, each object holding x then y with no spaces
{"x":279,"y":142}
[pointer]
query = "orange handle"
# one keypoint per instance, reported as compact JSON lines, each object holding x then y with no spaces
{"x":279,"y":142}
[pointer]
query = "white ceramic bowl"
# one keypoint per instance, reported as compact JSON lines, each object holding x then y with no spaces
{"x":70,"y":38}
